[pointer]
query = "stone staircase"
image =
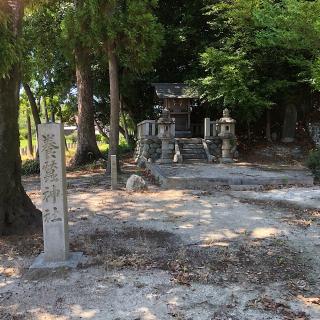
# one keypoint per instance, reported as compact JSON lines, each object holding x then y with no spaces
{"x":192,"y":150}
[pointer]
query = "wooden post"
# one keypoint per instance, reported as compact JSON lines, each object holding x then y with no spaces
{"x":114,"y":172}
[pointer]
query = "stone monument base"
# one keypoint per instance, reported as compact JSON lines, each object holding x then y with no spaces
{"x":72,"y":262}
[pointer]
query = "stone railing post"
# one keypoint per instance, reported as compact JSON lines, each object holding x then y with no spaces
{"x":173,"y":128}
{"x":210,"y":130}
{"x":146,"y":129}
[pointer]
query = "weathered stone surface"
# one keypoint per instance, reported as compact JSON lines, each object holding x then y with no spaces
{"x":54,"y":200}
{"x":53,"y":189}
{"x":207,"y":176}
{"x":136,"y":183}
{"x":148,"y":148}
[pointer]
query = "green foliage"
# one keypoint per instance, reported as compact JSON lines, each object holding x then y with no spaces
{"x":46,"y":66}
{"x":73,"y":137}
{"x":30,"y":167}
{"x":134,"y":28}
{"x":270,"y":50}
{"x":313,"y":162}
{"x":9,"y":45}
{"x":231,"y":79}
{"x":23,"y":133}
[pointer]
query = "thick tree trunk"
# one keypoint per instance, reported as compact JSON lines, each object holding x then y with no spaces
{"x":114,"y":101}
{"x":30,"y":146}
{"x":16,"y":209}
{"x":87,"y":148}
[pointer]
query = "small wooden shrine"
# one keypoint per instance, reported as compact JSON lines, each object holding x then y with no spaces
{"x":178,"y":99}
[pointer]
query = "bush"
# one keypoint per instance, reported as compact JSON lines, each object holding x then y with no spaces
{"x":30,"y":167}
{"x":313,"y":162}
{"x":99,"y":138}
{"x":73,"y":137}
{"x":23,"y":133}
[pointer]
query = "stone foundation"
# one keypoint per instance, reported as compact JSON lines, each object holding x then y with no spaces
{"x":150,"y":149}
{"x":214,"y":146}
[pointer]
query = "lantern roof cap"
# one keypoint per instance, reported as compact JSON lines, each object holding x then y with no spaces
{"x":226,"y":117}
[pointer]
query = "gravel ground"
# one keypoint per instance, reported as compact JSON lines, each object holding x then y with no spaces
{"x":168,"y":254}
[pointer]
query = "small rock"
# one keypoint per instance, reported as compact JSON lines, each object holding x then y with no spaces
{"x":136,"y":183}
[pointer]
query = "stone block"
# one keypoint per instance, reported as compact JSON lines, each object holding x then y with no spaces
{"x":136,"y":183}
{"x":54,"y":191}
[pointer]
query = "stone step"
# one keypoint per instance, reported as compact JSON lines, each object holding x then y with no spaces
{"x":191,"y":146}
{"x":192,"y":151}
{"x":193,"y":156}
{"x":189,"y":140}
{"x":193,"y":161}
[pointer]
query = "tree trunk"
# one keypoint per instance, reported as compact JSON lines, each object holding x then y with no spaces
{"x":33,"y":105}
{"x":125,"y":127}
{"x":268,"y":126}
{"x":102,"y":132}
{"x":53,"y":115}
{"x":17,"y":212}
{"x":35,"y":112}
{"x":114,"y":102}
{"x":30,"y":146}
{"x":45,"y":109}
{"x":289,"y":123}
{"x":87,"y":148}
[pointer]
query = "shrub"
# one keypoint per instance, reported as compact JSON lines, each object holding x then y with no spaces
{"x":30,"y":167}
{"x":23,"y":133}
{"x":313,"y":162}
{"x":99,"y":138}
{"x":73,"y":137}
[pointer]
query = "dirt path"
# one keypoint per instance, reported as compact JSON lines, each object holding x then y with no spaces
{"x":168,"y":255}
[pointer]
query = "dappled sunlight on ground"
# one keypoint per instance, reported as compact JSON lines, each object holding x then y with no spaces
{"x":166,"y":254}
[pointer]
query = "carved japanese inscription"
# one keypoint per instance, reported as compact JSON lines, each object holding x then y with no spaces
{"x":53,"y":190}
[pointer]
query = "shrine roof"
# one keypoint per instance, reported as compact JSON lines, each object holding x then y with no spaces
{"x":174,"y":91}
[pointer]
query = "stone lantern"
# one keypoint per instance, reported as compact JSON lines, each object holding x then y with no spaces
{"x":165,"y":135}
{"x":227,"y":133}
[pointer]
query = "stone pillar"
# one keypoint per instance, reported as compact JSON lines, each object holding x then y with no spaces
{"x":207,"y":128}
{"x":114,"y":173}
{"x":173,"y":128}
{"x":54,"y":199}
{"x":227,"y":129}
{"x":54,"y":193}
{"x":226,"y":151}
{"x":166,"y":155}
{"x":153,"y":128}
